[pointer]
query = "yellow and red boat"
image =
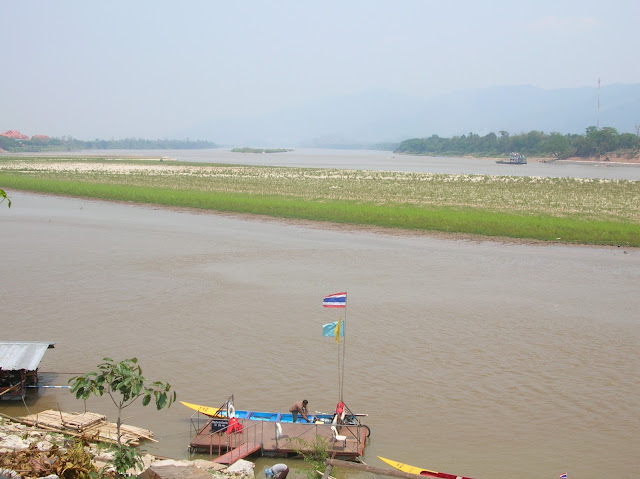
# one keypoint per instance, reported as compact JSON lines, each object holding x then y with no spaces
{"x":419,"y":471}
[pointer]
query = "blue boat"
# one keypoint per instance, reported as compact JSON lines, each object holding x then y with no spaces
{"x":227,"y":411}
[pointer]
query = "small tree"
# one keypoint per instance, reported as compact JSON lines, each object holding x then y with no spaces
{"x":314,"y":453}
{"x":558,"y":145}
{"x":124,"y":383}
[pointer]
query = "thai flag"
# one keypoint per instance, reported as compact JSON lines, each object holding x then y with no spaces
{"x":338,"y":300}
{"x":563,"y":476}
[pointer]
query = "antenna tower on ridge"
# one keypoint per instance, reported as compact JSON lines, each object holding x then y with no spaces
{"x":598,"y":119}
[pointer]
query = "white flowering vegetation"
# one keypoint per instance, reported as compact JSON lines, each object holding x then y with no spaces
{"x":594,"y":199}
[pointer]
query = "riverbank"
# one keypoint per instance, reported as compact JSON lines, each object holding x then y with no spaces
{"x":607,"y":159}
{"x":27,"y":451}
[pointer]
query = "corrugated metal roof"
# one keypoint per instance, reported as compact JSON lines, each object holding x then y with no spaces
{"x":15,"y":355}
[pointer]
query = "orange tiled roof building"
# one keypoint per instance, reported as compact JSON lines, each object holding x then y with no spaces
{"x":15,"y":135}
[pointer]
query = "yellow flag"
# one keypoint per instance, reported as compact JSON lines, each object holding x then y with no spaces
{"x":338,"y":330}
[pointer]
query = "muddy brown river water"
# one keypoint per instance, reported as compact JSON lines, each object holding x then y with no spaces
{"x":470,"y":357}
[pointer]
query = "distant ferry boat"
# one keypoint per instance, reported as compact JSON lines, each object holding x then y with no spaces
{"x":514,"y":159}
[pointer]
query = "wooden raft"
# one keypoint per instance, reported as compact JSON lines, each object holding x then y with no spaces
{"x":93,"y":426}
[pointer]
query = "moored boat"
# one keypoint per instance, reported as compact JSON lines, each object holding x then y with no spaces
{"x":515,"y":158}
{"x":227,"y":411}
{"x":419,"y":471}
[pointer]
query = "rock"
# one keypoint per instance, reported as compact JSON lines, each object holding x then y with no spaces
{"x":242,"y":468}
{"x":147,"y":459}
{"x":11,"y":440}
{"x":174,"y":472}
{"x":14,"y":443}
{"x":173,"y":462}
{"x":209,"y":465}
{"x":44,"y":445}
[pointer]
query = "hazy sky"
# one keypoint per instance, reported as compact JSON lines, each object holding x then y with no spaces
{"x":149,"y":68}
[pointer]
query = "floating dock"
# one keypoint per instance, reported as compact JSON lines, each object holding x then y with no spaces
{"x":274,"y":439}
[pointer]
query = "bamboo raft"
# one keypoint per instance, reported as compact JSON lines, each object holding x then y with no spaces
{"x":91,"y":425}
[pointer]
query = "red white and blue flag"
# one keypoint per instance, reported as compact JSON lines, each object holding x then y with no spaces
{"x":563,"y":476}
{"x":337,"y":300}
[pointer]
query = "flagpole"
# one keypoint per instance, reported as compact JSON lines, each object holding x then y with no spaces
{"x":344,"y":343}
{"x":338,"y":300}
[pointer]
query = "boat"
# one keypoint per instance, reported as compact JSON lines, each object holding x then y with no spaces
{"x":419,"y":471}
{"x":227,"y":411}
{"x":514,"y":159}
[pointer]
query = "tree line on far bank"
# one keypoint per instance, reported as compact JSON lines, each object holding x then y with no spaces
{"x":595,"y":142}
{"x":67,"y":143}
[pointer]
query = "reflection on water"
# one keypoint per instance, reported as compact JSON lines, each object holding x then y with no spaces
{"x":482,"y":359}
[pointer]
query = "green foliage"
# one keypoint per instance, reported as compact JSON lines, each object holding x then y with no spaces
{"x":8,"y":144}
{"x":4,"y":197}
{"x":558,"y":146}
{"x":596,"y":141}
{"x":314,"y":453}
{"x":70,"y":144}
{"x":125,"y":458}
{"x":124,"y":383}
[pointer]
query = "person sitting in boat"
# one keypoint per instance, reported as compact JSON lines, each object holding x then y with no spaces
{"x":299,"y":408}
{"x":277,"y":471}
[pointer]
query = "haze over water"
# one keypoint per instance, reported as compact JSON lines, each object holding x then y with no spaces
{"x":389,"y":161}
{"x":474,"y":358}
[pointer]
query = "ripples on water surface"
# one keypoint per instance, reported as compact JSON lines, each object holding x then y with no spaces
{"x":481,"y":359}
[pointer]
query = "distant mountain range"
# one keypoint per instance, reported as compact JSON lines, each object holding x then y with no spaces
{"x":381,"y":116}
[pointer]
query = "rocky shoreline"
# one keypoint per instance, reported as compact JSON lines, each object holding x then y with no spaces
{"x":27,"y":452}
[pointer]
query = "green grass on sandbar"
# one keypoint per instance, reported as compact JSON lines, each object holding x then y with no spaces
{"x":465,"y":220}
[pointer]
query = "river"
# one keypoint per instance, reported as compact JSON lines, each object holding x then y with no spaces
{"x":383,"y":161}
{"x":475,"y":358}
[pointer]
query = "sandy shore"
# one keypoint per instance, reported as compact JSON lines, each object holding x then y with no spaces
{"x":612,"y":159}
{"x":608,"y":159}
